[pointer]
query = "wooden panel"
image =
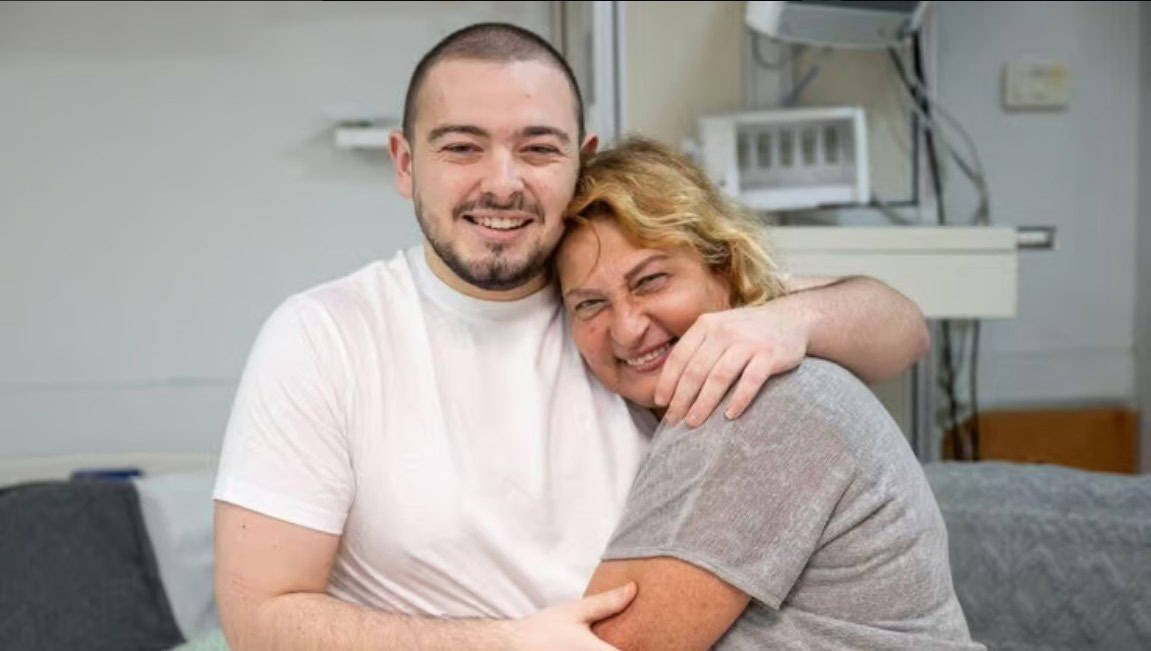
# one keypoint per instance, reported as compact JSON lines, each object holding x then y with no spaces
{"x":1103,"y":439}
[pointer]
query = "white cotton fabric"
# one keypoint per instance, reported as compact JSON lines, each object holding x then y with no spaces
{"x":470,"y":463}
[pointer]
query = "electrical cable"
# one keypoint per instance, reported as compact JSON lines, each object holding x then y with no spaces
{"x":801,"y":85}
{"x":982,"y":216}
{"x":794,"y":53}
{"x":923,"y":105}
{"x":888,"y":210}
{"x":973,"y":381}
{"x":966,"y":436}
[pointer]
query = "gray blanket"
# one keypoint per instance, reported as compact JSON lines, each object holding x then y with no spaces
{"x":1046,"y":557}
{"x":77,"y":570}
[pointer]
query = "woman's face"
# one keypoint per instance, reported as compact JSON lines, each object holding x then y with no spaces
{"x":629,"y":305}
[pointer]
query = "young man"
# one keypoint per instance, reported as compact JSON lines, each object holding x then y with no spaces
{"x":417,"y":457}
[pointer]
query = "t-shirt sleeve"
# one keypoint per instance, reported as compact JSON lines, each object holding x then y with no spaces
{"x":285,"y":452}
{"x":747,"y":500}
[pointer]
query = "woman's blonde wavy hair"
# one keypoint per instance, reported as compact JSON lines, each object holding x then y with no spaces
{"x":661,"y":200}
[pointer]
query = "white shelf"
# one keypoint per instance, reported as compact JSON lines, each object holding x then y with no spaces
{"x":373,"y":137}
{"x":950,"y":272}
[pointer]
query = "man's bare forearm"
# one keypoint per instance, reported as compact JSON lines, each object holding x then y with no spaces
{"x":865,"y":325}
{"x":319,"y":621}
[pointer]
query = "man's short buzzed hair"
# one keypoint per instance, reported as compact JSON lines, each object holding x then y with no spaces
{"x":499,"y":42}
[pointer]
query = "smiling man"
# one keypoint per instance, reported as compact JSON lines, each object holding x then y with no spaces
{"x":417,"y":457}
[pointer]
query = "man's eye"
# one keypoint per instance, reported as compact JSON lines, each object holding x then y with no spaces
{"x":651,"y":281}
{"x":461,"y":148}
{"x":548,"y":150}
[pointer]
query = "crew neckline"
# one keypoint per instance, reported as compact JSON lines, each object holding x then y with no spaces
{"x":451,"y":299}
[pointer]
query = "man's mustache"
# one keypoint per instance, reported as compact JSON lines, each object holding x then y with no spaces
{"x":516,"y":203}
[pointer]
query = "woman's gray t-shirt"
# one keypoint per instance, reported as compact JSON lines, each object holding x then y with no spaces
{"x":811,"y":503}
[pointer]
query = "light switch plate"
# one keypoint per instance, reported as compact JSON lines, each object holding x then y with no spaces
{"x":1043,"y":86}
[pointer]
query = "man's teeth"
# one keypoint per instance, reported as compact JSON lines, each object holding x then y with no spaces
{"x":647,"y":357}
{"x":499,"y":223}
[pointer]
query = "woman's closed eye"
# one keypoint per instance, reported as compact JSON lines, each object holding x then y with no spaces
{"x":650,"y":282}
{"x":588,"y":307}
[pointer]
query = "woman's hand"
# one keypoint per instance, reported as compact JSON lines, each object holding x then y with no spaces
{"x":748,"y":345}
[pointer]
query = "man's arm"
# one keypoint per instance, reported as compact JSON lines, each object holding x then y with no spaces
{"x":270,"y":582}
{"x":678,"y":605}
{"x":861,"y":324}
{"x":857,"y":322}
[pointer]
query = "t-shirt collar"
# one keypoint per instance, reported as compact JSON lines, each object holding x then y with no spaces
{"x":451,"y":299}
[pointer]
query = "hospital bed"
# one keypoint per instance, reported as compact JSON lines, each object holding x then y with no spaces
{"x":1042,"y":557}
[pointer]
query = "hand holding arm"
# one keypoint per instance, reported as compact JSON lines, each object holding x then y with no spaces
{"x":270,"y":582}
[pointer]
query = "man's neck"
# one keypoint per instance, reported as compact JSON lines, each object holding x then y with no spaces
{"x":444,"y":273}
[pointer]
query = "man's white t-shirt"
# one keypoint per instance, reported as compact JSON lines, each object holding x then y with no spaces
{"x":472,"y":465}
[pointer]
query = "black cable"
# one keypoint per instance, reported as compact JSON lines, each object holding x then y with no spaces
{"x":757,"y":54}
{"x":974,"y":388}
{"x":948,"y":381}
{"x":928,"y":135}
{"x":973,"y":368}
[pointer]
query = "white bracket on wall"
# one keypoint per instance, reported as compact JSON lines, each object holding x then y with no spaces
{"x":364,"y":134}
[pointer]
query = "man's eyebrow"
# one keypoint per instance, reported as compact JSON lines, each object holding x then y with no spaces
{"x":637,"y":269}
{"x":543,"y":130}
{"x":467,"y":129}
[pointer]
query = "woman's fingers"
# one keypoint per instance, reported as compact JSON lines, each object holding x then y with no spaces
{"x":755,"y":374}
{"x":681,"y":353}
{"x":722,"y":376}
{"x":695,"y":372}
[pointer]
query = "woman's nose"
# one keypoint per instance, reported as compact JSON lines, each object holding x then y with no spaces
{"x":629,"y":324}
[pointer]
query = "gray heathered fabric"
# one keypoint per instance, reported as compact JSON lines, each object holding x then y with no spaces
{"x":813,"y":504}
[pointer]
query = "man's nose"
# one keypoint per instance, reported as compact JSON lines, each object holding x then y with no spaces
{"x":629,"y":324}
{"x":502,"y":178}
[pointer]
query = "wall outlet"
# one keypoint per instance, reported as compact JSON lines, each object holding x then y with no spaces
{"x":1041,"y":86}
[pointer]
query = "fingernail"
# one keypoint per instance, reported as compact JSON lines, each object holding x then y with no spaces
{"x":729,"y":414}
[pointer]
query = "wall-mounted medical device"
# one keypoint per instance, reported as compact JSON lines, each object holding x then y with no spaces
{"x":786,"y":159}
{"x":836,"y":23}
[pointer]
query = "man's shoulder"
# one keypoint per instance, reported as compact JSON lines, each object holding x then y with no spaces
{"x":366,"y":290}
{"x":364,"y":284}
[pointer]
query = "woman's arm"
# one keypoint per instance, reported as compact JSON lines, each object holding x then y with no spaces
{"x":677,"y":606}
{"x":858,"y":322}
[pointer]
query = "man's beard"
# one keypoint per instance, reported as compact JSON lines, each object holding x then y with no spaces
{"x":494,"y":272}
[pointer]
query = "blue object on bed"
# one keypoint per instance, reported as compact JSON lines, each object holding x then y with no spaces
{"x":122,"y":474}
{"x":77,"y":570}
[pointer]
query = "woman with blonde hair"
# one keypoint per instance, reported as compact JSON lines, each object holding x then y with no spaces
{"x":807,"y":522}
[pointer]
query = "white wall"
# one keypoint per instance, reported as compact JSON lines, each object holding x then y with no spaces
{"x":1073,"y":340}
{"x":166,"y":178}
{"x":1143,"y":241}
{"x":682,"y":61}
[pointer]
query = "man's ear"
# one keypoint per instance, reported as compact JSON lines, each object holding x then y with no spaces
{"x":401,"y":152}
{"x":590,"y":144}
